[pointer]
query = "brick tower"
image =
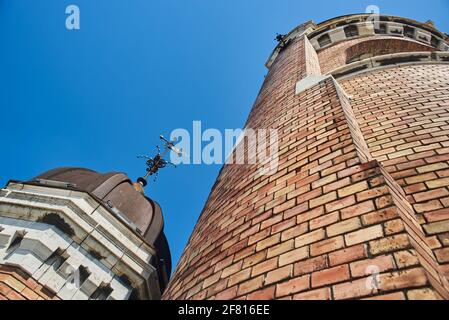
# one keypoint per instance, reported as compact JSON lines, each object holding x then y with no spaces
{"x":359,"y":204}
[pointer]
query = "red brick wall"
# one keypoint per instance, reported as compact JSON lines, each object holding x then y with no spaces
{"x":16,"y":285}
{"x":377,"y":47}
{"x":311,"y":58}
{"x":406,"y":128}
{"x":338,"y":55}
{"x":315,"y":228}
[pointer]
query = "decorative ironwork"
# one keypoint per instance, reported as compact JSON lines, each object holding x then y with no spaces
{"x":158,"y":162}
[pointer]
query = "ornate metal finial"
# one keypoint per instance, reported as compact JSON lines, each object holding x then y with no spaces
{"x":279,"y":37}
{"x":282,"y":40}
{"x":158,"y":162}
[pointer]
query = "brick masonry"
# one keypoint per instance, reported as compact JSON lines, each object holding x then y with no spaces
{"x":344,"y":52}
{"x":17,"y":285}
{"x":359,"y":205}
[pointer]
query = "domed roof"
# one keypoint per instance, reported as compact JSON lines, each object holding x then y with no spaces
{"x":84,"y":179}
{"x":117,"y":193}
{"x":114,"y":189}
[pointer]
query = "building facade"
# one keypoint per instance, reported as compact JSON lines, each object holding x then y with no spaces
{"x":359,"y":204}
{"x":72,"y":233}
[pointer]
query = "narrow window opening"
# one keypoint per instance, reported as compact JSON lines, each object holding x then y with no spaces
{"x":409,"y":32}
{"x":84,"y":273}
{"x":79,"y":276}
{"x":16,"y":241}
{"x":324,"y":40}
{"x":382,"y":29}
{"x":56,"y":259}
{"x":434,"y":42}
{"x":351,"y":31}
{"x":102,"y":292}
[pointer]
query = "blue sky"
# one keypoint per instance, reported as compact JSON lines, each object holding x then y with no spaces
{"x":99,"y":96}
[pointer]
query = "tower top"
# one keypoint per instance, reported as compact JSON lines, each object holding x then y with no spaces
{"x":366,"y":25}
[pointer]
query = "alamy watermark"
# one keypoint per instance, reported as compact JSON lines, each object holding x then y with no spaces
{"x":374,"y":16}
{"x":235,"y":146}
{"x":373,"y":281}
{"x":72,"y":21}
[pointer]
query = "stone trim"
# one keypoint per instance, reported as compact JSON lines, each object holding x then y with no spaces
{"x":299,"y":31}
{"x":309,"y":82}
{"x":334,"y":28}
{"x":366,"y":28}
{"x":389,"y":61}
{"x":98,"y":236}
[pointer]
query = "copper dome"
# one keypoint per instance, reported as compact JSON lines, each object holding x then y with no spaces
{"x":116,"y":191}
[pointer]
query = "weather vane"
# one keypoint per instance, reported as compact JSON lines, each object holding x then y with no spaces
{"x":158,"y":162}
{"x":282,"y":40}
{"x":279,"y":37}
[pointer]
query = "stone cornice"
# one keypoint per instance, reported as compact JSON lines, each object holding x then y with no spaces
{"x":103,"y":237}
{"x":334,"y":29}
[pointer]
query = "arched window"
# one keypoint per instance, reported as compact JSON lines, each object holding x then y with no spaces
{"x":351,"y":31}
{"x":324,"y":40}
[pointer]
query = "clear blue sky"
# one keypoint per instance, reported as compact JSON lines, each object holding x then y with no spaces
{"x":99,"y":96}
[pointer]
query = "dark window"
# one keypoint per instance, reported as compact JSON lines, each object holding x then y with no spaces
{"x":434,"y":42}
{"x":83,"y":274}
{"x":382,"y":29}
{"x":79,"y":276}
{"x":102,"y":292}
{"x":409,"y":32}
{"x":16,"y":241}
{"x":324,"y":40}
{"x":351,"y":31}
{"x":56,"y":259}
